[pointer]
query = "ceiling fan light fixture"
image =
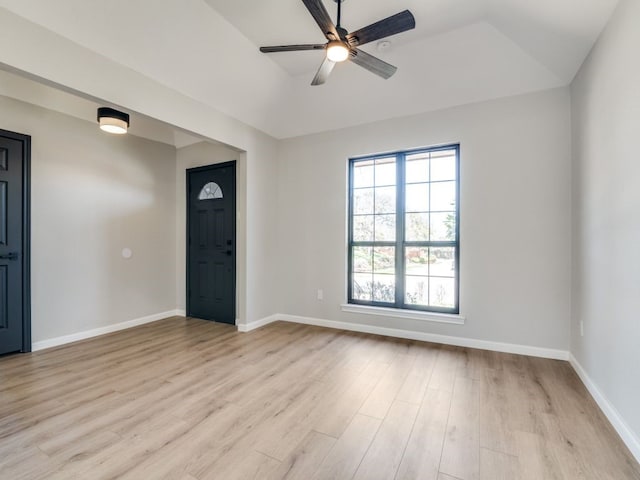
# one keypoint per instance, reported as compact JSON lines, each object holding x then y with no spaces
{"x":337,"y":51}
{"x":113,"y":121}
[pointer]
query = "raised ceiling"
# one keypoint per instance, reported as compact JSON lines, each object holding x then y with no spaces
{"x":462,"y":51}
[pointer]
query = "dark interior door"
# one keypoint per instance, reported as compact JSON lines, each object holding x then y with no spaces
{"x":14,"y":336}
{"x":211,"y":242}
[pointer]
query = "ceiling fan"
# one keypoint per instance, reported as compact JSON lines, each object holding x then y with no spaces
{"x":342,"y":45}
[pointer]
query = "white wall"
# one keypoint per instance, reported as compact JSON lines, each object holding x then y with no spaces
{"x":515,"y":217}
{"x":94,"y":194}
{"x":198,"y":155}
{"x":606,"y":273}
{"x":263,"y":184}
{"x":257,"y":187}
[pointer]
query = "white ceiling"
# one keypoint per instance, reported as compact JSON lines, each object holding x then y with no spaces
{"x":461,"y":51}
{"x":41,"y":95}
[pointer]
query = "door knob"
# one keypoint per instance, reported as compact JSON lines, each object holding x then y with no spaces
{"x":229,"y":253}
{"x":9,"y":256}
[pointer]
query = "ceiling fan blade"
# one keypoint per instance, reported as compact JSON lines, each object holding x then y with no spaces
{"x":323,"y":72}
{"x":322,"y":18}
{"x":371,"y":63}
{"x":398,"y":23}
{"x":293,"y":48}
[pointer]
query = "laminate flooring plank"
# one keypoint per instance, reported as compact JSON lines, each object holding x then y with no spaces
{"x":417,"y":380}
{"x":200,"y":439}
{"x":240,"y":432}
{"x":303,"y":462}
{"x":385,"y":453}
{"x":57,"y":424}
{"x":461,"y":450}
{"x":28,"y":464}
{"x":384,"y":393}
{"x":444,"y":371}
{"x":475,"y":363}
{"x":136,"y":447}
{"x":72,"y":450}
{"x":421,"y":459}
{"x":347,"y":453}
{"x":496,"y":428}
{"x":280,"y":435}
{"x":537,"y":459}
{"x":444,"y":476}
{"x":348,"y":396}
{"x":240,"y":464}
{"x":498,"y":466}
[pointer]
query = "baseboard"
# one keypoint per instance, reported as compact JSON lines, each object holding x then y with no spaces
{"x":181,"y":313}
{"x":56,"y":342}
{"x":628,"y":436}
{"x":247,"y":327}
{"x":413,"y":335}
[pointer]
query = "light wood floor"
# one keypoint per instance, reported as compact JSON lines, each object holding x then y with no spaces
{"x":186,"y":399}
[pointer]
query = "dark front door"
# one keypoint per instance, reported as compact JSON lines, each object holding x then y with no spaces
{"x":211,"y":242}
{"x":14,"y":317}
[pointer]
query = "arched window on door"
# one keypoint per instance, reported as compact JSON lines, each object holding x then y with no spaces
{"x":210,"y":191}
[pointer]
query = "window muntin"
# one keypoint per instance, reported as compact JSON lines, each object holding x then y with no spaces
{"x":404,"y":230}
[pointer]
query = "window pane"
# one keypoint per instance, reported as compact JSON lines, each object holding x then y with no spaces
{"x":416,"y":227}
{"x":363,"y":174}
{"x":443,"y":196}
{"x":362,"y":259}
{"x":384,"y":260}
{"x":363,"y":201}
{"x":417,"y":261}
{"x":385,"y":171}
{"x":384,"y":288}
{"x":385,"y":228}
{"x":417,"y":197}
{"x":443,"y":165}
{"x":443,"y":264}
{"x":210,"y":191}
{"x":417,"y":168}
{"x":385,"y":200}
{"x":363,"y":228}
{"x":417,"y":290}
{"x":441,"y":292}
{"x":362,"y":286}
{"x":443,"y":227}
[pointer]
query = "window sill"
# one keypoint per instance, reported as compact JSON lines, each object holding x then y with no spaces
{"x":399,"y":313}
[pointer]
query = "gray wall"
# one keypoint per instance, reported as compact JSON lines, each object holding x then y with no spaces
{"x":198,"y":155}
{"x":257,"y":190}
{"x":606,"y":232}
{"x":515,"y":217}
{"x":94,"y":194}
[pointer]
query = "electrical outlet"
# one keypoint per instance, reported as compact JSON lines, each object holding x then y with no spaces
{"x":320,"y":294}
{"x":582,"y":328}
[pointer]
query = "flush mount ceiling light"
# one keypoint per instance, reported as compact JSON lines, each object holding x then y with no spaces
{"x":113,"y":121}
